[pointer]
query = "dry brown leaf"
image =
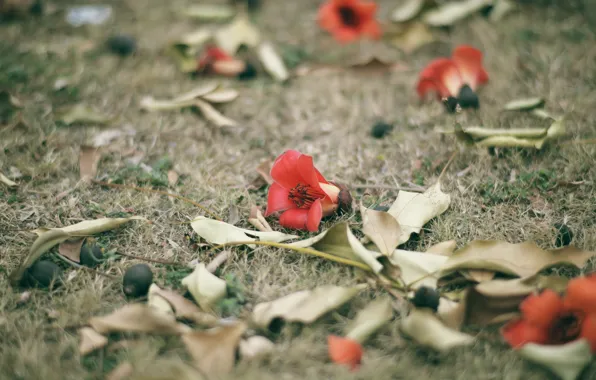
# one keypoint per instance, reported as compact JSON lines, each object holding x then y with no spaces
{"x":381,"y":228}
{"x":239,"y":32}
{"x":257,"y":219}
{"x":523,"y":260}
{"x":123,"y":371}
{"x":255,"y":347}
{"x":5,"y":180}
{"x":213,"y":115}
{"x":90,"y":340}
{"x":264,"y":170}
{"x":71,"y":249}
{"x":89,"y":157}
{"x":186,"y":309}
{"x":370,"y":319}
{"x":214,"y":350}
{"x":478,"y":275}
{"x":418,"y":268}
{"x":205,"y":287}
{"x":375,"y":65}
{"x":157,"y":302}
{"x":445,"y":248}
{"x":415,"y":35}
{"x":138,"y":318}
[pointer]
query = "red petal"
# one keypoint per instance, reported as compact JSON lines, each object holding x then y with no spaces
{"x":541,"y":310}
{"x":345,"y":35}
{"x":589,"y":331}
{"x":469,"y":62}
{"x":307,"y":171}
{"x":519,"y":332}
{"x":429,"y":79}
{"x":328,"y":17}
{"x":315,"y":214}
{"x":581,"y":294}
{"x":371,"y":29}
{"x":447,"y":75}
{"x":366,"y":10}
{"x":278,"y":199}
{"x":284,"y":169}
{"x":344,"y":351}
{"x":295,"y":218}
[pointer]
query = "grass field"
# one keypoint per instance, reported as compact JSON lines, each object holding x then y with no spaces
{"x":514,"y":196}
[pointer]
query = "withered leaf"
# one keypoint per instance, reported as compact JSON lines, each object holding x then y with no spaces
{"x":138,"y":318}
{"x":205,"y":287}
{"x":90,"y":340}
{"x":89,"y":157}
{"x":71,"y":249}
{"x":381,"y":228}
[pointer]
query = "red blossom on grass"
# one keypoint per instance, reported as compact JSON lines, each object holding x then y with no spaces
{"x":550,"y":319}
{"x":215,"y":60}
{"x":348,"y":20}
{"x":344,"y":351}
{"x":455,"y":78}
{"x":302,"y":193}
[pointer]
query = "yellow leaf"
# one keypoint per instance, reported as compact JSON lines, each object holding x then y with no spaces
{"x":184,"y":308}
{"x":415,"y":35}
{"x":210,"y":12}
{"x":205,"y":287}
{"x":407,"y":10}
{"x":370,"y":319}
{"x":272,"y":62}
{"x":187,"y":99}
{"x":239,"y":32}
{"x":424,"y":327}
{"x":567,"y":360}
{"x":417,"y":266}
{"x":213,"y":115}
{"x":525,"y":104}
{"x":381,"y":228}
{"x":6,"y":181}
{"x":138,"y":318}
{"x":452,"y":12}
{"x":83,"y":114}
{"x":90,"y":340}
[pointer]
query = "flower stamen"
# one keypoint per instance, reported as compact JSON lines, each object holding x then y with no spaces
{"x":566,"y":328}
{"x":303,"y":196}
{"x":348,"y":16}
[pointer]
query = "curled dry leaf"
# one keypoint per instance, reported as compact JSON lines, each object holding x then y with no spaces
{"x":50,"y":237}
{"x":205,"y":287}
{"x":216,"y":232}
{"x":255,"y":347}
{"x":83,"y":114}
{"x":187,"y":99}
{"x":567,"y":361}
{"x":157,"y":302}
{"x":5,"y":180}
{"x":413,"y":36}
{"x":340,"y":241}
{"x":71,"y":249}
{"x":305,"y":306}
{"x":370,"y":319}
{"x":413,"y":210}
{"x":452,"y":12}
{"x":272,"y":62}
{"x":381,"y":228}
{"x":138,"y":318}
{"x":123,"y":371}
{"x":257,"y":219}
{"x":417,"y":268}
{"x":478,"y":275}
{"x":213,"y":115}
{"x":222,"y":95}
{"x":90,"y":340}
{"x":214,"y":350}
{"x":264,"y":170}
{"x":526,"y":104}
{"x":407,"y":10}
{"x":445,"y":248}
{"x":239,"y":32}
{"x":184,"y":308}
{"x":424,"y":327}
{"x":89,"y":157}
{"x":210,"y":12}
{"x":523,"y":259}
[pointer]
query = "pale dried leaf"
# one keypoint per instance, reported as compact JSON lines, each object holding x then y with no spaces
{"x":172,"y":177}
{"x":423,"y":268}
{"x":255,"y":347}
{"x":272,"y":62}
{"x":340,"y":241}
{"x":156,"y":301}
{"x":71,"y":249}
{"x":138,"y":318}
{"x":184,"y":100}
{"x":445,"y":248}
{"x":424,"y":327}
{"x":257,"y":219}
{"x":407,"y":10}
{"x":123,"y":371}
{"x":305,"y":306}
{"x":214,"y":350}
{"x":525,"y":104}
{"x":239,"y":32}
{"x":83,"y":114}
{"x":452,"y":12}
{"x":89,"y":157}
{"x":216,"y":232}
{"x":205,"y":287}
{"x":264,"y":170}
{"x":478,"y":275}
{"x":213,"y":115}
{"x":370,"y":319}
{"x":186,"y":309}
{"x":5,"y":180}
{"x":414,"y":36}
{"x":381,"y":228}
{"x":567,"y":361}
{"x":90,"y":340}
{"x":413,"y":210}
{"x":210,"y":12}
{"x":223,"y":95}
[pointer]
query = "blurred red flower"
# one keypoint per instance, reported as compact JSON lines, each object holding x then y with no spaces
{"x":348,"y":20}
{"x":344,"y":351}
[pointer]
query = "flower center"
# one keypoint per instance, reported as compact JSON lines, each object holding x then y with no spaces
{"x":303,"y":195}
{"x":566,"y":328}
{"x":348,"y":16}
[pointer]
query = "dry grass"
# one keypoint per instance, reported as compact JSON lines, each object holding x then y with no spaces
{"x":539,"y":51}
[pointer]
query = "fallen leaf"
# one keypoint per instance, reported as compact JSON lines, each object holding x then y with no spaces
{"x":222,"y":95}
{"x":138,"y":318}
{"x":381,"y":228}
{"x":106,"y":137}
{"x":373,"y":65}
{"x":340,"y":241}
{"x":214,"y":350}
{"x":523,"y":259}
{"x":567,"y":361}
{"x":185,"y":309}
{"x":264,"y":170}
{"x":205,"y":287}
{"x":424,"y":327}
{"x":417,"y":268}
{"x":239,"y":32}
{"x":525,"y":104}
{"x":445,"y":248}
{"x":90,"y":340}
{"x":344,"y":351}
{"x":213,"y":115}
{"x":50,"y":237}
{"x":216,"y":232}
{"x":123,"y":371}
{"x":478,"y":275}
{"x":83,"y":114}
{"x":272,"y":62}
{"x":7,"y":181}
{"x":452,"y":12}
{"x":157,"y":302}
{"x":413,"y":36}
{"x":305,"y":306}
{"x":257,"y":219}
{"x":500,"y":9}
{"x":167,"y":369}
{"x":210,"y":12}
{"x":172,"y":177}
{"x":255,"y":347}
{"x":368,"y":320}
{"x":187,"y":99}
{"x":71,"y":249}
{"x":413,"y":210}
{"x":89,"y":157}
{"x":407,"y":10}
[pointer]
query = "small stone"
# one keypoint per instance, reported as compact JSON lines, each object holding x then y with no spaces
{"x":381,"y":129}
{"x":122,"y":44}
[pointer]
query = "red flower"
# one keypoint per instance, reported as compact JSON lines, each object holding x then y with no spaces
{"x":344,"y":351}
{"x":215,"y":60}
{"x":348,"y":20}
{"x":302,"y":193}
{"x":549,"y":319}
{"x":455,"y":77}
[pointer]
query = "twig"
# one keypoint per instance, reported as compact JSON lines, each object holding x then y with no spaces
{"x":388,"y":187}
{"x":446,"y":166}
{"x":165,"y":262}
{"x":221,"y":258}
{"x":79,"y":266}
{"x":147,"y":190}
{"x":308,"y":251}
